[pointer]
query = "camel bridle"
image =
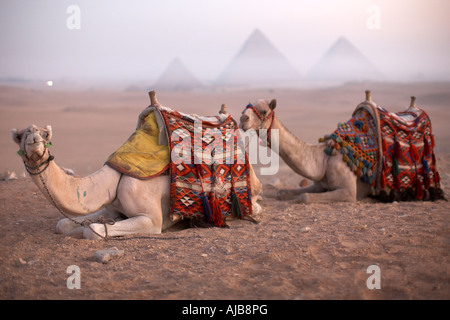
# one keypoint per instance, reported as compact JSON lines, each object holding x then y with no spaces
{"x":44,"y":164}
{"x":32,"y":170}
{"x":263,"y":119}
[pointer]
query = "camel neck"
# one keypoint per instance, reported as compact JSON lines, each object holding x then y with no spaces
{"x":288,"y":141}
{"x":78,"y":195}
{"x":296,"y":153}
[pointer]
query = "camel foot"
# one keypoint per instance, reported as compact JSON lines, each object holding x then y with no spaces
{"x":286,"y":194}
{"x":95,"y":231}
{"x":68,"y":227}
{"x":65,"y":226}
{"x":303,"y":198}
{"x":339,"y":195}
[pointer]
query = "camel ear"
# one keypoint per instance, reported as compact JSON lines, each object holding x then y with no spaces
{"x":16,"y":135}
{"x":48,"y":131}
{"x":273,"y":104}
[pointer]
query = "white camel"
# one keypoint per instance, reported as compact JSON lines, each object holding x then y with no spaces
{"x":136,"y":206}
{"x":333,"y":179}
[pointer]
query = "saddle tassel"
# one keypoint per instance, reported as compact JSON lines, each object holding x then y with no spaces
{"x":217,"y":217}
{"x":414,"y":152}
{"x":236,"y":207}
{"x":206,"y":208}
{"x":426,"y":180}
{"x":395,"y":164}
{"x":205,"y":204}
{"x":383,"y":180}
{"x":418,"y":190}
{"x":216,"y":211}
{"x":427,"y":149}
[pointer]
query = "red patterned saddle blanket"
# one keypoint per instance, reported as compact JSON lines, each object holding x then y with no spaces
{"x":394,"y":152}
{"x":409,"y":162}
{"x":210,"y":174}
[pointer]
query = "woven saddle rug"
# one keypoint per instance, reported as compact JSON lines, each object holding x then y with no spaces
{"x":393,"y":152}
{"x":210,"y":174}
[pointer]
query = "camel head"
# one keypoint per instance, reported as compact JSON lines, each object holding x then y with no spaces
{"x":257,"y":116}
{"x":33,"y":142}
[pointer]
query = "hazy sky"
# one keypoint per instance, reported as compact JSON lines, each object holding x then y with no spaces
{"x":137,"y":39}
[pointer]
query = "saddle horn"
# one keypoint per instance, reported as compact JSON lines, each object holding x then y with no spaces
{"x":412,"y":106}
{"x":413,"y":102}
{"x":223,"y":109}
{"x":368,"y":96}
{"x":153,"y":100}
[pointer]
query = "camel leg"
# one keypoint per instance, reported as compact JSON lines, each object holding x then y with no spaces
{"x":68,"y":227}
{"x":339,"y":180}
{"x":289,"y":194}
{"x":146,"y":206}
{"x":135,"y":225}
{"x":337,"y":195}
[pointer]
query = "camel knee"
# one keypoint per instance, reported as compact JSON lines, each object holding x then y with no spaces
{"x":256,"y":208}
{"x":348,"y":194}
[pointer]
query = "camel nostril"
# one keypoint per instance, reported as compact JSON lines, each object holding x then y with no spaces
{"x":244,"y":118}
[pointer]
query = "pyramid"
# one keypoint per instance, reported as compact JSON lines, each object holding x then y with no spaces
{"x":344,"y":62}
{"x":258,"y":63}
{"x":177,"y":77}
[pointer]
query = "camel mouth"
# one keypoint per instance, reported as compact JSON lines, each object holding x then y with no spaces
{"x":34,"y":149}
{"x":34,"y":145}
{"x":243,"y":127}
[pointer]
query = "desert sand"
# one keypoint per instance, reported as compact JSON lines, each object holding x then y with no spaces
{"x":296,"y":251}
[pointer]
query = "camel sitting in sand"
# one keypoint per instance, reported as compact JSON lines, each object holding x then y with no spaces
{"x":333,"y":179}
{"x":124,"y":205}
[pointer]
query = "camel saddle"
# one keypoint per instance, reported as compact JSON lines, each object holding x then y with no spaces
{"x":393,"y":152}
{"x":205,"y":181}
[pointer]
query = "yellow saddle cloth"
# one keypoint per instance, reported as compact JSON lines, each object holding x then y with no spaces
{"x":141,"y":156}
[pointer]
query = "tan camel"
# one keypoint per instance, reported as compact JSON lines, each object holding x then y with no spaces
{"x":333,"y":179}
{"x":136,"y":206}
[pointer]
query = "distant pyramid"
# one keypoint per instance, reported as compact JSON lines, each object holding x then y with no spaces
{"x":258,"y":63}
{"x":177,"y":77}
{"x":344,"y":62}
